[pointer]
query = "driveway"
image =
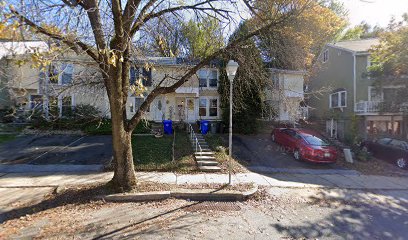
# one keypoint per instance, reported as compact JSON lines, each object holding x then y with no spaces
{"x":260,"y":152}
{"x":57,"y":149}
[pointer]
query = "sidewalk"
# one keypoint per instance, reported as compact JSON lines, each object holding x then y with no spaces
{"x":296,"y":180}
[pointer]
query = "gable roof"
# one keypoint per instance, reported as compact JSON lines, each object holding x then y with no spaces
{"x":358,"y":46}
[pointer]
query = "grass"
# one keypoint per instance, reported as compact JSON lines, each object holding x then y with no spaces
{"x":6,"y":137}
{"x":215,"y":141}
{"x":155,"y":154}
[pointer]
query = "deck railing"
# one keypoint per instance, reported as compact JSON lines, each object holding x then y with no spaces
{"x":367,"y":106}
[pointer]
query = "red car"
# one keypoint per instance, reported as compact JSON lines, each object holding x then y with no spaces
{"x":305,"y":144}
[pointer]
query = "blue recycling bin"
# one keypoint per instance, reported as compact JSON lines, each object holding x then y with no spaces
{"x":204,"y":126}
{"x":168,"y":127}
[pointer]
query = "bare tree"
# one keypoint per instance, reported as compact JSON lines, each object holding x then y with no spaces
{"x":106,"y":30}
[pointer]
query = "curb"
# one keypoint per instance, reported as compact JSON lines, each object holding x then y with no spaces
{"x":186,"y":194}
{"x":25,"y":168}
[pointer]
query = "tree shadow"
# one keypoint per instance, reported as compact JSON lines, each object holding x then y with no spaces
{"x":356,"y":216}
{"x":53,"y":200}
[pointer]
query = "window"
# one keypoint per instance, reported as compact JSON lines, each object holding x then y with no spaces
{"x":326,"y":55}
{"x":61,"y":74}
{"x":53,"y":74}
{"x":375,"y":94}
{"x":147,"y":77}
{"x":66,"y":108}
{"x":208,"y":78}
{"x":140,"y":72}
{"x":338,"y":99}
{"x":67,"y":71}
{"x":203,"y":107}
{"x":202,"y":78}
{"x":36,"y":102}
{"x":213,"y":107}
{"x":213,"y":81}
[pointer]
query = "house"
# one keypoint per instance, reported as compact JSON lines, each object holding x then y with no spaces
{"x":71,"y":80}
{"x":284,"y":96}
{"x":347,"y":101}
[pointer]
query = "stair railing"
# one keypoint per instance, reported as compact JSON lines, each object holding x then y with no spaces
{"x":194,"y":140}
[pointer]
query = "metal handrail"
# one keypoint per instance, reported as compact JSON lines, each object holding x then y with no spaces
{"x":194,"y":139}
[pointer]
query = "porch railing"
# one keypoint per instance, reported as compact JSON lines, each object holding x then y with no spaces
{"x":194,"y":139}
{"x":367,"y":106}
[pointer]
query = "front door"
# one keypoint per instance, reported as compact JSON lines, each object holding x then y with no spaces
{"x":190,"y":109}
{"x":180,"y":109}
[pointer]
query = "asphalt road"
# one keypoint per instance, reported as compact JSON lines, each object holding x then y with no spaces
{"x":259,"y":151}
{"x":281,"y":213}
{"x":57,"y":149}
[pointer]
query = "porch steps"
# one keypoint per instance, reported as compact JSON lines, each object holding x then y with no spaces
{"x":210,"y":168}
{"x":207,"y":163}
{"x":204,"y":153}
{"x":205,"y":159}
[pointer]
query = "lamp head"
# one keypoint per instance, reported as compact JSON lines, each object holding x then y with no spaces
{"x":231,"y":68}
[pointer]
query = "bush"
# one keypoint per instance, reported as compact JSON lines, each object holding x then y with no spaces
{"x":6,"y":115}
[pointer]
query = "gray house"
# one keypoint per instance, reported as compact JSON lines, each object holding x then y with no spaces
{"x":346,"y":102}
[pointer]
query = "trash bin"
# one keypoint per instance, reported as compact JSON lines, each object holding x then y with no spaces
{"x":168,"y":126}
{"x":204,"y":126}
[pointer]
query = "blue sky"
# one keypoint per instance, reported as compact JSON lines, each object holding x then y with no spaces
{"x":375,"y":11}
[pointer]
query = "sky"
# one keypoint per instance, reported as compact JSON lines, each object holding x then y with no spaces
{"x":375,"y":11}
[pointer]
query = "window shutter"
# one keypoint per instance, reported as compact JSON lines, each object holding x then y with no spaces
{"x":132,"y":77}
{"x":147,"y":77}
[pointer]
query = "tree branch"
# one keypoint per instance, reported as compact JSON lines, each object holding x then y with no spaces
{"x":73,"y":43}
{"x":164,"y":90}
{"x":142,"y":18}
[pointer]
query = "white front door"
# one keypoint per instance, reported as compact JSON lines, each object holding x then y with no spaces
{"x":190,"y":108}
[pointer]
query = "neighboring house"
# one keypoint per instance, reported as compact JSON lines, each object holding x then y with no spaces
{"x":72,"y":80}
{"x":197,"y":99}
{"x":354,"y":100}
{"x":284,"y":96}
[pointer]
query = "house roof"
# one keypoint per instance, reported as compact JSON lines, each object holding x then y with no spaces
{"x":10,"y":48}
{"x":359,"y":46}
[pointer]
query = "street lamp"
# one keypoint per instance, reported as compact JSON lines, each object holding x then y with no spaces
{"x":231,"y":68}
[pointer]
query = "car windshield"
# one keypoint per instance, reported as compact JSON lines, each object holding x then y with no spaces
{"x":314,"y":140}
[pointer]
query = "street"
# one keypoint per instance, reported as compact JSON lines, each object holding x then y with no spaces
{"x":276,"y":213}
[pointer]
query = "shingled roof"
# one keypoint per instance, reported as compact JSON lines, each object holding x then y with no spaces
{"x":357,"y":45}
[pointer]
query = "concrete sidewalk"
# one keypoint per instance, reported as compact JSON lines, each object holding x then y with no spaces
{"x":296,"y":180}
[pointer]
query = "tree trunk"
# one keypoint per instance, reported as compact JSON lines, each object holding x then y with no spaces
{"x":124,"y":178}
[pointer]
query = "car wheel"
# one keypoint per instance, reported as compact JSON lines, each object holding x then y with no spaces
{"x":296,"y":155}
{"x":402,"y":163}
{"x":273,"y":137}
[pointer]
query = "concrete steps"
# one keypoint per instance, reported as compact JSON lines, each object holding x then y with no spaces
{"x":204,"y":153}
{"x":205,"y":159}
{"x":210,"y":168}
{"x":207,"y":163}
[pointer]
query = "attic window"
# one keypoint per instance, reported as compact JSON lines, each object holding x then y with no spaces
{"x":326,"y":55}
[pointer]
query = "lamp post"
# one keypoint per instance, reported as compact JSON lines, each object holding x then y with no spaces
{"x":231,"y":69}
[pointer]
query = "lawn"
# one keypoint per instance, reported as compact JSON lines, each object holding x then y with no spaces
{"x":155,"y":154}
{"x":6,"y":137}
{"x":215,"y":141}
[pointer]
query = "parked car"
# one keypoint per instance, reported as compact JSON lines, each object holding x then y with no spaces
{"x":388,"y":149}
{"x":305,"y":144}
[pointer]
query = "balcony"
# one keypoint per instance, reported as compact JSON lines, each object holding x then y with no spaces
{"x":366,"y":107}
